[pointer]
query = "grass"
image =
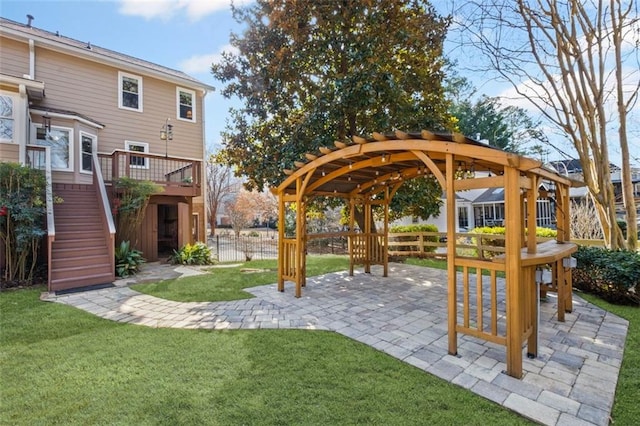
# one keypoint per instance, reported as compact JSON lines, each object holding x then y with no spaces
{"x":228,"y":283}
{"x":60,"y":365}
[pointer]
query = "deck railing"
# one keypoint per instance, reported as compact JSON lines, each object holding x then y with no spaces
{"x":179,"y":174}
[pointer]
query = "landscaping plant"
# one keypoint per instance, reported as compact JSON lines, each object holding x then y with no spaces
{"x":193,"y":254}
{"x":412,"y":229}
{"x":128,"y":260}
{"x":22,"y":211}
{"x":129,"y":205}
{"x":613,"y":275}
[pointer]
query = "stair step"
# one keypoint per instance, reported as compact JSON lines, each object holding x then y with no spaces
{"x":91,"y":235}
{"x":80,"y":261}
{"x":82,"y":281}
{"x":77,"y":226}
{"x":77,"y":243}
{"x":66,"y":253}
{"x":79,"y":271}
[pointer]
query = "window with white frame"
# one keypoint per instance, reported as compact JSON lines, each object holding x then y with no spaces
{"x":186,"y":104}
{"x":58,"y":139}
{"x":87,"y":147}
{"x":136,"y":161}
{"x":463,"y":217}
{"x":129,"y":91}
{"x":6,"y":118}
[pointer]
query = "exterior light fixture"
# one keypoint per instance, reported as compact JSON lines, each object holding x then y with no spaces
{"x":166,"y":135}
{"x":46,"y":123}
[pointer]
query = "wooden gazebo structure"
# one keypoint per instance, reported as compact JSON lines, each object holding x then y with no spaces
{"x":368,"y":172}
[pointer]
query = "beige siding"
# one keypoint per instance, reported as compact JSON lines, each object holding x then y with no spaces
{"x":92,"y":89}
{"x":14,"y":57}
{"x":9,"y":152}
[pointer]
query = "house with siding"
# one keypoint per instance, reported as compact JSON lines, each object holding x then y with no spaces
{"x":86,"y":116}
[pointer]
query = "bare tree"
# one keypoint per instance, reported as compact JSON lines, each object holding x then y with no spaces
{"x":576,"y":61}
{"x":243,"y":210}
{"x":220,"y":185}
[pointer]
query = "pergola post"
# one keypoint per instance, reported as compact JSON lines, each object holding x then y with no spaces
{"x":352,"y":233}
{"x":452,"y":278}
{"x":300,"y":231}
{"x":385,"y":238}
{"x":281,"y":254}
{"x":532,"y":248}
{"x":513,"y":271}
{"x":367,"y":235}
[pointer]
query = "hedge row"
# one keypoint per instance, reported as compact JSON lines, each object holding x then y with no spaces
{"x":398,"y":229}
{"x":613,"y":275}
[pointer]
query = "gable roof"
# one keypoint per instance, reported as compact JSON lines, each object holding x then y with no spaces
{"x":88,"y":51}
{"x":573,"y":165}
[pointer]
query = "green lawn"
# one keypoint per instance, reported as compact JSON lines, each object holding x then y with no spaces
{"x":60,"y":365}
{"x":226,"y":283}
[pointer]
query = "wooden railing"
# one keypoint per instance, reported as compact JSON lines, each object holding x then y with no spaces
{"x":178,"y":176}
{"x":483,"y":312}
{"x":289,"y":259}
{"x":39,"y":157}
{"x":106,"y":216}
{"x":367,"y":248}
{"x":426,"y":244}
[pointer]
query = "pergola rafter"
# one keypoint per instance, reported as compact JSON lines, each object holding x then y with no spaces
{"x":368,"y":172}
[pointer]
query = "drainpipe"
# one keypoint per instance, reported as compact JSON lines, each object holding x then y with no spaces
{"x":32,"y":60}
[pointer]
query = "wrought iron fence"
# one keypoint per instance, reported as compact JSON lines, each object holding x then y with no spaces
{"x":228,"y":248}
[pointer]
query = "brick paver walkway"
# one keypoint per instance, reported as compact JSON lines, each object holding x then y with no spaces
{"x":571,"y":382}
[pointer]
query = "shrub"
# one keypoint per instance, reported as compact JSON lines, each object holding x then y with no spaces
{"x":22,"y":212}
{"x":129,"y":205}
{"x":193,"y":254}
{"x":398,"y":229}
{"x":128,"y":260}
{"x":613,"y":275}
{"x":499,"y":242}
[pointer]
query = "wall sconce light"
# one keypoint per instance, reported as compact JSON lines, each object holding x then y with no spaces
{"x":166,"y":135}
{"x":46,"y":123}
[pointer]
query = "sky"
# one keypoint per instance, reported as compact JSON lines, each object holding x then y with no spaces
{"x":187,"y":35}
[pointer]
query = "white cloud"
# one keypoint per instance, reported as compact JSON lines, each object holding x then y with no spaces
{"x":166,"y":9}
{"x":202,"y":63}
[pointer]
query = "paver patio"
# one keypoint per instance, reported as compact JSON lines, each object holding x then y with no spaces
{"x":571,"y":382}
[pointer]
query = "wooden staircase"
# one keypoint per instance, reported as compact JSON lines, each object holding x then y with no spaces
{"x":80,"y":253}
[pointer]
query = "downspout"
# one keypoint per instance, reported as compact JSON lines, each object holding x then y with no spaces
{"x":32,"y":60}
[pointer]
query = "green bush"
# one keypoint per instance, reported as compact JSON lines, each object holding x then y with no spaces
{"x":399,"y":229}
{"x":128,"y":260}
{"x":613,"y":275}
{"x":193,"y":254}
{"x":22,"y":223}
{"x":499,"y":242}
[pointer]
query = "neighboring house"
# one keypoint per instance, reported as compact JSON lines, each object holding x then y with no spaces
{"x":91,"y":108}
{"x":485,"y":207}
{"x":573,"y":168}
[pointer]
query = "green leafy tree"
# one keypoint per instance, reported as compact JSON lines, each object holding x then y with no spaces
{"x":22,"y":211}
{"x":504,"y":126}
{"x":310,"y":72}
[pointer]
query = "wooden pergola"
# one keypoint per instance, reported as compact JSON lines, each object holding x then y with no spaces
{"x":368,"y":172}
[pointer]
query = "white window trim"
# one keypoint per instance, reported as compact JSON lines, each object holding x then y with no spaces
{"x":127,"y":147}
{"x":94,"y":148}
{"x":122,"y":74}
{"x":33,"y":141}
{"x":13,"y":116}
{"x":193,"y":104}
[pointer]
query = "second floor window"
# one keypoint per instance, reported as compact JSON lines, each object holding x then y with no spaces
{"x":6,"y":118}
{"x":186,"y":104}
{"x":130,"y":91}
{"x":135,"y":161}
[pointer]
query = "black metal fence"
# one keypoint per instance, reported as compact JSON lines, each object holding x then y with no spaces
{"x":228,"y":248}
